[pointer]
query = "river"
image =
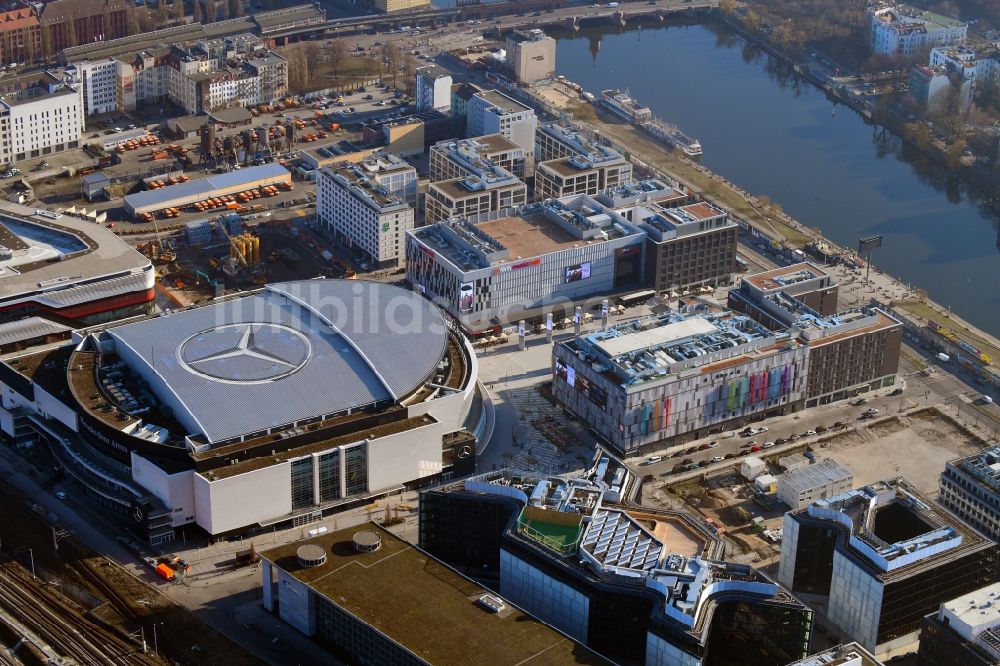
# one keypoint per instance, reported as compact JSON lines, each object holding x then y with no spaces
{"x":778,"y":137}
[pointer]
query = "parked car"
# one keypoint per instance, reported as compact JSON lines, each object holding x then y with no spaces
{"x":687,"y":461}
{"x":809,"y":433}
{"x":755,"y":448}
{"x":653,"y":459}
{"x":859,"y":402}
{"x":693,"y":449}
{"x":712,"y":444}
{"x":768,"y":445}
{"x":730,"y":455}
{"x":61,"y":495}
{"x":677,"y":454}
{"x":897,"y":391}
{"x":717,"y":459}
{"x":820,"y":430}
{"x":704,"y":447}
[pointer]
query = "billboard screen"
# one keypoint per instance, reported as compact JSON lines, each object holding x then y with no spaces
{"x":466,"y":297}
{"x":578,"y":272}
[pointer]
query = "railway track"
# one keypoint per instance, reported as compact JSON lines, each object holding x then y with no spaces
{"x":59,"y":624}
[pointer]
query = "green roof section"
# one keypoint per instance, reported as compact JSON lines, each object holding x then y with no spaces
{"x":556,"y":530}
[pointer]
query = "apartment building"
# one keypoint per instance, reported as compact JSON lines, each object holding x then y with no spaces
{"x":433,"y":89}
{"x":488,"y":189}
{"x":202,"y":77}
{"x":492,"y":112}
{"x":882,"y":557}
{"x":463,"y":157}
{"x":39,"y":115}
{"x":901,"y":29}
{"x":363,"y":214}
{"x":584,"y":173}
{"x":687,"y":246}
{"x":531,"y":55}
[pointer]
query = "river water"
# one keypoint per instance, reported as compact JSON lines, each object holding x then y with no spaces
{"x":781,"y":138}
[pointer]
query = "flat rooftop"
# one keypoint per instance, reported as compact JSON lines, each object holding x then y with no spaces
{"x":50,"y":253}
{"x":528,"y":236}
{"x":424,"y":605}
{"x":786,"y":276}
{"x":849,"y":654}
{"x":360,"y":182}
{"x":475,"y":185}
{"x":973,"y":613}
{"x":206,"y":187}
{"x":501,"y":101}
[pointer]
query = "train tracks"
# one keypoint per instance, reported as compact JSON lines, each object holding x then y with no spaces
{"x":57,"y":626}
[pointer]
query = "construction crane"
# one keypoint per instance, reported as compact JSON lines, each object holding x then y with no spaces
{"x":234,"y":250}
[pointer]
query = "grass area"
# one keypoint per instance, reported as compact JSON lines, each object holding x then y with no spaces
{"x":558,"y":535}
{"x":706,"y":183}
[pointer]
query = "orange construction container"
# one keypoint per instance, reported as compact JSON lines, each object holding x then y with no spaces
{"x":165,"y":571}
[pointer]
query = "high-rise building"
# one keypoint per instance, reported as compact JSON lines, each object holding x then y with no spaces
{"x":355,"y":204}
{"x":964,"y":630}
{"x":455,"y":158}
{"x":488,"y":189}
{"x":433,"y":89}
{"x":882,"y":557}
{"x":970,"y":488}
{"x":531,"y":55}
{"x":687,"y":246}
{"x":492,"y":112}
{"x":637,"y":585}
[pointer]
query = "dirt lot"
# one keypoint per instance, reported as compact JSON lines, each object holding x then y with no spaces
{"x":916,"y":446}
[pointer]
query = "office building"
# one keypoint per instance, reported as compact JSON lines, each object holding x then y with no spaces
{"x":467,"y":157}
{"x":970,"y":488}
{"x":849,"y":352}
{"x":513,"y":262}
{"x":20,"y":36}
{"x":72,"y":268}
{"x":357,"y":206}
{"x":687,"y":246}
{"x":433,"y":89}
{"x":679,"y":375}
{"x":337,"y":588}
{"x":809,"y":483}
{"x":587,"y":173}
{"x":964,"y":630}
{"x":487,"y":189}
{"x":461,"y":95}
{"x":492,"y":112}
{"x":531,"y":55}
{"x":637,"y":585}
{"x":849,"y":654}
{"x":100,"y":85}
{"x":882,"y":557}
{"x":39,"y":115}
{"x":261,"y":411}
{"x":554,"y":140}
{"x":901,"y":29}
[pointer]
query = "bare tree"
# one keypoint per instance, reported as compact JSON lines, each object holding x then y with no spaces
{"x":177,"y":10}
{"x":223,"y":10}
{"x":199,"y":14}
{"x":46,"y":34}
{"x":336,"y":53}
{"x":161,"y":13}
{"x":236,"y":8}
{"x":71,"y":36}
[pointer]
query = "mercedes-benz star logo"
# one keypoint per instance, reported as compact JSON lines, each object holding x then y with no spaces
{"x":248,"y":353}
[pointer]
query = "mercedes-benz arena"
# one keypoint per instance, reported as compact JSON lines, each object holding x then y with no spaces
{"x":267,"y":409}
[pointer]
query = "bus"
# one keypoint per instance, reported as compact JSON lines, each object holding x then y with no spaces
{"x":638,"y":298}
{"x":742,"y":265}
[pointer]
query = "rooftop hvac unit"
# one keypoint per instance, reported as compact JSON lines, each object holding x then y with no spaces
{"x":491,"y":603}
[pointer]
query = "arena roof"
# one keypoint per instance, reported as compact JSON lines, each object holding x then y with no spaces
{"x":293,"y":352}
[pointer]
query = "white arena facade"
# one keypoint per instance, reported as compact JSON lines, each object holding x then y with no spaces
{"x":262,"y":410}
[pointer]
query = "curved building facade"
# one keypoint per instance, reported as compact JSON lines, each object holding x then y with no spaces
{"x":270,"y":408}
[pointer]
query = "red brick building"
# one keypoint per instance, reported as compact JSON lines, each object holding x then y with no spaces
{"x":89,"y":21}
{"x":20,"y":36}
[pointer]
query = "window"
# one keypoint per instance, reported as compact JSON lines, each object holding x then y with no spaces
{"x":302,"y":483}
{"x":356,"y":466}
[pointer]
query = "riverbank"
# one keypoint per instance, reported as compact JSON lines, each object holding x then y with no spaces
{"x":920,"y":314}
